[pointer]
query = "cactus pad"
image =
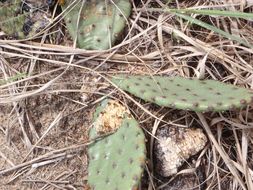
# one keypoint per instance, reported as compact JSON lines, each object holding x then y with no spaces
{"x":116,"y":161}
{"x":108,"y":117}
{"x":11,"y":19}
{"x":21,"y":20}
{"x":187,"y":94}
{"x":101,"y":22}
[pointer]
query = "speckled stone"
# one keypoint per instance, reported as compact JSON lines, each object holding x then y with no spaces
{"x":174,"y":146}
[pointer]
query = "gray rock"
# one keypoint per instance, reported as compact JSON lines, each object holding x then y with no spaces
{"x":174,"y":146}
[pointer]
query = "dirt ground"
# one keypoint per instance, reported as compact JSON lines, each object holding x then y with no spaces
{"x":47,"y":103}
{"x":55,"y":165}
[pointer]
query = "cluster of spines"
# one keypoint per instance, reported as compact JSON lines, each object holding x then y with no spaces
{"x":187,"y":94}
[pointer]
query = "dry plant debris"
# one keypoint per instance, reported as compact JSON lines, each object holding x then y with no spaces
{"x":44,"y":120}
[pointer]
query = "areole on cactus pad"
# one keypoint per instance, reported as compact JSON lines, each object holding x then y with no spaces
{"x":96,"y":23}
{"x":115,"y":161}
{"x":188,"y":94}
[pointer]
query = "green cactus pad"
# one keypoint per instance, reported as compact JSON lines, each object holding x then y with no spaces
{"x":11,"y":19}
{"x":7,"y":3}
{"x":101,"y":22}
{"x":117,"y":160}
{"x":21,"y":24}
{"x":14,"y":26}
{"x":9,"y":11}
{"x":187,"y":94}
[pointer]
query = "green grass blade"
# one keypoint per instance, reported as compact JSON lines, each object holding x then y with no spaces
{"x":215,"y":29}
{"x":13,"y":78}
{"x":234,"y":14}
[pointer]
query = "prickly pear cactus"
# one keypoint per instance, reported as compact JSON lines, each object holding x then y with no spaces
{"x":14,"y":26}
{"x":100,"y":23}
{"x":9,"y":10}
{"x":11,"y":19}
{"x":21,"y":19}
{"x":117,"y":160}
{"x":187,"y":94}
{"x":6,"y":3}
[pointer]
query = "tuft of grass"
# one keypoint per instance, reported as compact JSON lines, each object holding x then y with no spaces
{"x":215,"y":29}
{"x":13,"y":78}
{"x":183,"y":13}
{"x":233,"y":14}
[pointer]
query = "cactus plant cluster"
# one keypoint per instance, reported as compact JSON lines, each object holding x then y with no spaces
{"x":11,"y":18}
{"x":116,"y":161}
{"x":188,"y":94}
{"x":21,"y":19}
{"x":99,"y":24}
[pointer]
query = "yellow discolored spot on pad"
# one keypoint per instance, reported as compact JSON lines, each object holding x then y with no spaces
{"x":110,"y":119}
